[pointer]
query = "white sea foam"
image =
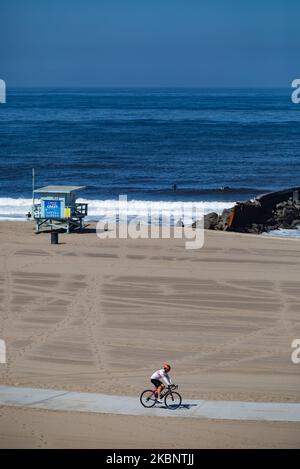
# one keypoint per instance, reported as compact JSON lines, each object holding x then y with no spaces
{"x":282,"y":233}
{"x":16,"y":209}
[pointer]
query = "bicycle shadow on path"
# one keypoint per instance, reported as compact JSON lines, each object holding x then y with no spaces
{"x":181,"y":407}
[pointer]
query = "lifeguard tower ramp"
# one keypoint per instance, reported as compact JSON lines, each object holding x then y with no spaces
{"x":57,"y":208}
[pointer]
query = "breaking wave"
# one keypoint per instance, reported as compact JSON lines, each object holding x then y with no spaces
{"x":16,"y":209}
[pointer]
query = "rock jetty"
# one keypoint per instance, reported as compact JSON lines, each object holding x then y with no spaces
{"x":280,"y":209}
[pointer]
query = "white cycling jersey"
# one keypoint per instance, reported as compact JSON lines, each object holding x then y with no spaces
{"x":162,"y":375}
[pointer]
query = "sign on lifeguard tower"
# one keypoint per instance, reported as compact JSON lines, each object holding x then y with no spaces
{"x":57,"y":208}
{"x":53,"y":208}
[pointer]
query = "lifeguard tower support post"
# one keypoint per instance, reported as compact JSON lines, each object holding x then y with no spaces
{"x":57,"y":208}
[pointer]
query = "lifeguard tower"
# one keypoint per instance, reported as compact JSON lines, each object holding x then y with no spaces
{"x":57,"y":208}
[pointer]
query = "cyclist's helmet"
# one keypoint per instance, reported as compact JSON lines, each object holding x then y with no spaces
{"x":166,"y":367}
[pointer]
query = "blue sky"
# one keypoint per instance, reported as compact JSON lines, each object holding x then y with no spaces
{"x":149,"y":42}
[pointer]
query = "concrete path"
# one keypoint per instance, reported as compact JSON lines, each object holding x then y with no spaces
{"x":52,"y":399}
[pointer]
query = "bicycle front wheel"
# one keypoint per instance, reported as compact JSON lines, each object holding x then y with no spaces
{"x":173,"y":400}
{"x":148,"y":398}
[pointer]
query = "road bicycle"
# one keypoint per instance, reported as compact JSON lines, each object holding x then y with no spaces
{"x":171,"y":398}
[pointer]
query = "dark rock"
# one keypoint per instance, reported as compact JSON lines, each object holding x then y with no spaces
{"x":265,"y":213}
{"x":284,"y":225}
{"x":225,"y":217}
{"x":254,"y":228}
{"x":271,"y":222}
{"x":295,"y":223}
{"x":220,"y":226}
{"x":211,"y":220}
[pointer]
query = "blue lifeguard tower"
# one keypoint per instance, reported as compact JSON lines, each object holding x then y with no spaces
{"x":57,"y":208}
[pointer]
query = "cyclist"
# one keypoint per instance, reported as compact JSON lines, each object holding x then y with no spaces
{"x":159,"y":376}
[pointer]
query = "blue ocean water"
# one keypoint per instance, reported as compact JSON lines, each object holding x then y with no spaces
{"x":141,"y":142}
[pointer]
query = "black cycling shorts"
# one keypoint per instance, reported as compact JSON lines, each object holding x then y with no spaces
{"x":156,"y":382}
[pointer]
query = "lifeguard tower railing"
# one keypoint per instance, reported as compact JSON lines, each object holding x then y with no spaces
{"x":57,"y":208}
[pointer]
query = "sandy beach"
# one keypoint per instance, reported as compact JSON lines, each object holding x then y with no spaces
{"x":27,"y":428}
{"x":102,"y":315}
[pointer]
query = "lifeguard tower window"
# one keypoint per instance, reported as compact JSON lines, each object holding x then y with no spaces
{"x":57,"y":208}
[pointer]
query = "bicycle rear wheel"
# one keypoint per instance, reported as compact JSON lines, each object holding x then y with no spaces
{"x":173,"y":400}
{"x":148,"y":398}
